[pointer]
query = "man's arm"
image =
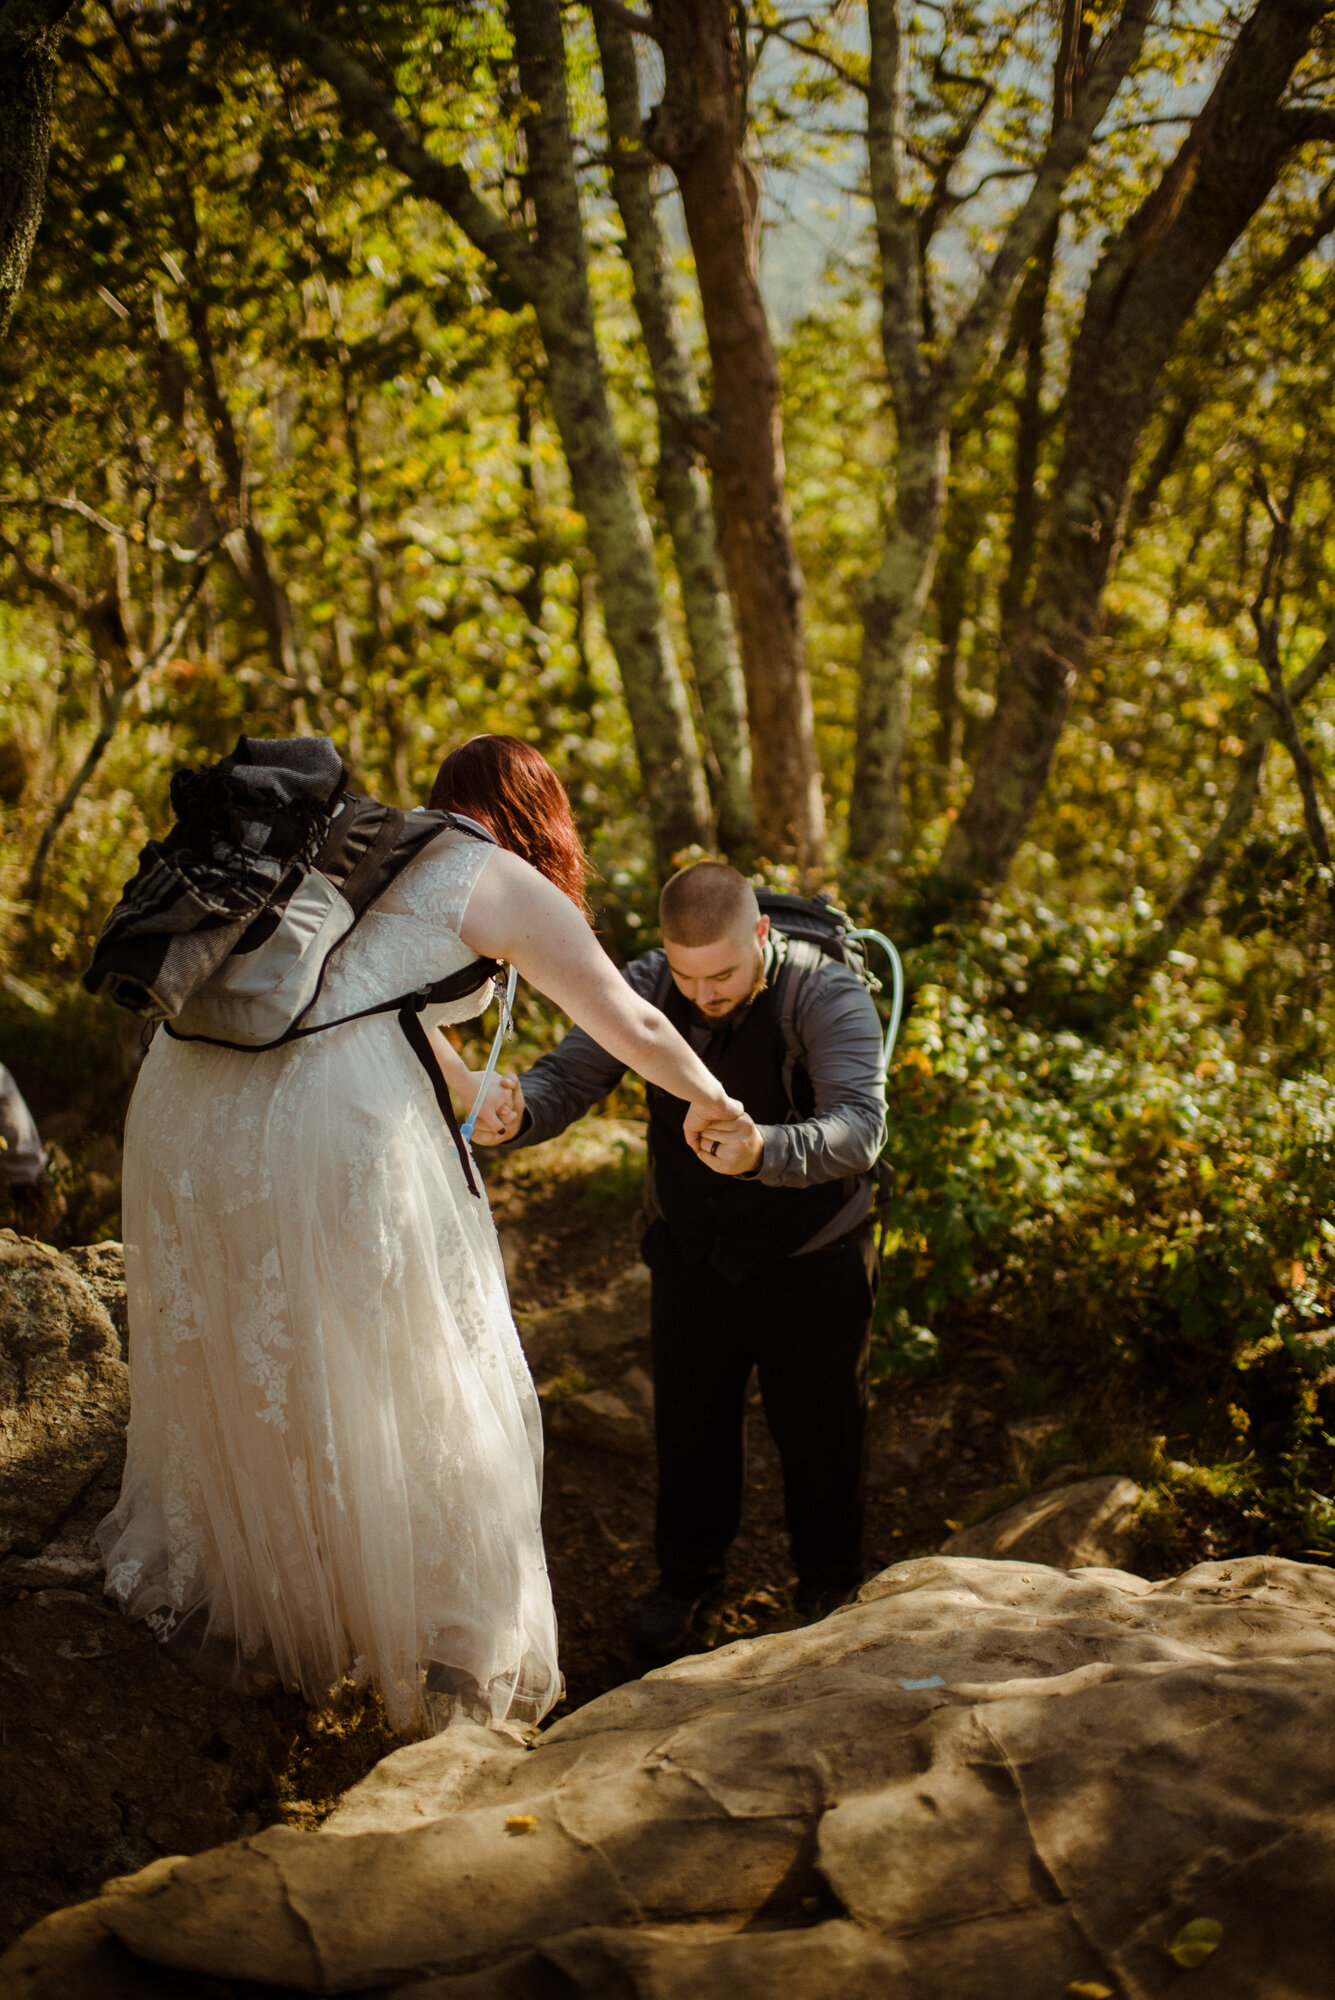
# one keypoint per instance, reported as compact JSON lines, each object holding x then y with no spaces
{"x":578,"y":1074}
{"x":838,"y":1026}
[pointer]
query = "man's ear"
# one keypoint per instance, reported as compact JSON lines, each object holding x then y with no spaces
{"x":762,"y":930}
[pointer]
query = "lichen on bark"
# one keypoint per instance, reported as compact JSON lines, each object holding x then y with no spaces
{"x":30,"y":32}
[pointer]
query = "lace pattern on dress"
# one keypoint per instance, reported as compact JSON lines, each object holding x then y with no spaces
{"x":335,"y":1455}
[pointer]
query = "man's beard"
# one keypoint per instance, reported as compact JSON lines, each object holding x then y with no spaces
{"x":714,"y":1020}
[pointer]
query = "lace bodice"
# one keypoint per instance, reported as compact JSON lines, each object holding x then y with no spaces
{"x":410,"y":937}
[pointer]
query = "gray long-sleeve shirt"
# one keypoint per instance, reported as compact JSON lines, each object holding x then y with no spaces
{"x":838,"y":1029}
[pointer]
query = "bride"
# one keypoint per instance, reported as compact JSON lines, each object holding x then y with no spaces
{"x":335,"y":1448}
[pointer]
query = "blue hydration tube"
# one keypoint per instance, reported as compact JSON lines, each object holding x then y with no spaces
{"x":896,"y":989}
{"x":502,"y":1030}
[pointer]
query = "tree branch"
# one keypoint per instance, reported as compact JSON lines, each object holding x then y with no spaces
{"x":1066,"y":149}
{"x":1189,"y":901}
{"x":368,"y":107}
{"x":639,"y":24}
{"x":902,"y":302}
{"x":113,"y":528}
{"x":814,"y":53}
{"x":55,"y":587}
{"x":1303,"y":124}
{"x":111,"y":715}
{"x":1286,"y":727}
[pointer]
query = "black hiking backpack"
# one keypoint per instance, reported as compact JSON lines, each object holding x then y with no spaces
{"x":815,"y":929}
{"x":225,"y":932}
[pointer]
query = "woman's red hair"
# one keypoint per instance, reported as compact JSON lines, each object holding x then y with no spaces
{"x":511,"y":789}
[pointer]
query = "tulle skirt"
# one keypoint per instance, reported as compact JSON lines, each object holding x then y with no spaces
{"x":335,"y":1449}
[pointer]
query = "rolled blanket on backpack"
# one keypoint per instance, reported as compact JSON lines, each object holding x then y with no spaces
{"x":240,"y":826}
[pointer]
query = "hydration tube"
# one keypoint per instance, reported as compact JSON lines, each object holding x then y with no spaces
{"x":896,"y":989}
{"x":507,"y":1002}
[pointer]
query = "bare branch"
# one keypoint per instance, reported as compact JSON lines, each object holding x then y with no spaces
{"x":1190,"y":899}
{"x":55,"y":587}
{"x":639,"y":24}
{"x":113,"y":528}
{"x":1067,"y":148}
{"x":1304,"y":124}
{"x":111,"y":715}
{"x":815,"y":54}
{"x":1286,"y":728}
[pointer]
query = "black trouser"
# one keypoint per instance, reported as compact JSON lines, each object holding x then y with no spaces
{"x":804,"y":1325}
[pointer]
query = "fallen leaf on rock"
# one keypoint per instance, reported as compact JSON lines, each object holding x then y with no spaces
{"x":1196,"y":1941}
{"x":521,"y":1823}
{"x":1088,"y":1989}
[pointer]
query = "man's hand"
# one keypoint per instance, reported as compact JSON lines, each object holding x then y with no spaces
{"x":502,"y":1113}
{"x":730,"y":1146}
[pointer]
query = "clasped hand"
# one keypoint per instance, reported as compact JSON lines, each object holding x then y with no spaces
{"x":729,"y":1144}
{"x":501,"y":1113}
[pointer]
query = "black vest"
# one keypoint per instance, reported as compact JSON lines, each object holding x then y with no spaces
{"x":737,"y":1226}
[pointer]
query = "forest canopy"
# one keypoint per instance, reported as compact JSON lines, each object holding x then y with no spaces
{"x":400,"y":373}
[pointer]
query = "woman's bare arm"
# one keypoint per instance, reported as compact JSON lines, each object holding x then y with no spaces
{"x":514,"y":913}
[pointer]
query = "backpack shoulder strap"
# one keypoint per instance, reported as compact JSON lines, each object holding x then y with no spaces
{"x":800,"y":959}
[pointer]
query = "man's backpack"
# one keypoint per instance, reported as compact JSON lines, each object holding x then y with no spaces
{"x":815,"y":929}
{"x":226,"y":930}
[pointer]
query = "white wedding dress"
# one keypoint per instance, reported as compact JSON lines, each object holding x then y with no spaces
{"x":335,"y":1449}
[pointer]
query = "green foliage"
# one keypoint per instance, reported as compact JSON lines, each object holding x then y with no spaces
{"x":1141,"y":1208}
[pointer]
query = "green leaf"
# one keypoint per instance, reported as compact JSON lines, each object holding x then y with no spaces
{"x":1196,"y":1942}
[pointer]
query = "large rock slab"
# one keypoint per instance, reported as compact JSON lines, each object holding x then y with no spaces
{"x":102,"y":1268}
{"x":64,"y":1390}
{"x":983,"y":1781}
{"x":1090,"y":1524}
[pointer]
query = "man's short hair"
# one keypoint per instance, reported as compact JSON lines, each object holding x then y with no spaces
{"x":704,"y":902}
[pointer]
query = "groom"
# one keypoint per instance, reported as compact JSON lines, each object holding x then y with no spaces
{"x":759,"y":1239}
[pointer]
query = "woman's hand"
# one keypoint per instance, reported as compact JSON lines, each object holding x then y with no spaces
{"x":729,"y":1145}
{"x":502,"y":1109}
{"x":502,"y":1112}
{"x":715,"y":1115}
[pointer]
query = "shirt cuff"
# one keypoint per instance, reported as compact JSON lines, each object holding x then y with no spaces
{"x":771,"y":1137}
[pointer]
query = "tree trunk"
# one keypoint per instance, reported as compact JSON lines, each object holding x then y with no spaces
{"x":682,"y":487}
{"x":699,"y":131}
{"x":1031,"y":308}
{"x":552,"y":275}
{"x":30,"y":35}
{"x":952,"y":602}
{"x":246,"y":544}
{"x":600,"y":474}
{"x":1140,"y":299}
{"x":928,"y":378}
{"x":892,"y":613}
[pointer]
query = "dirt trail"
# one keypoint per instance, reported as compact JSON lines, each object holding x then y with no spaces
{"x":569,"y":1227}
